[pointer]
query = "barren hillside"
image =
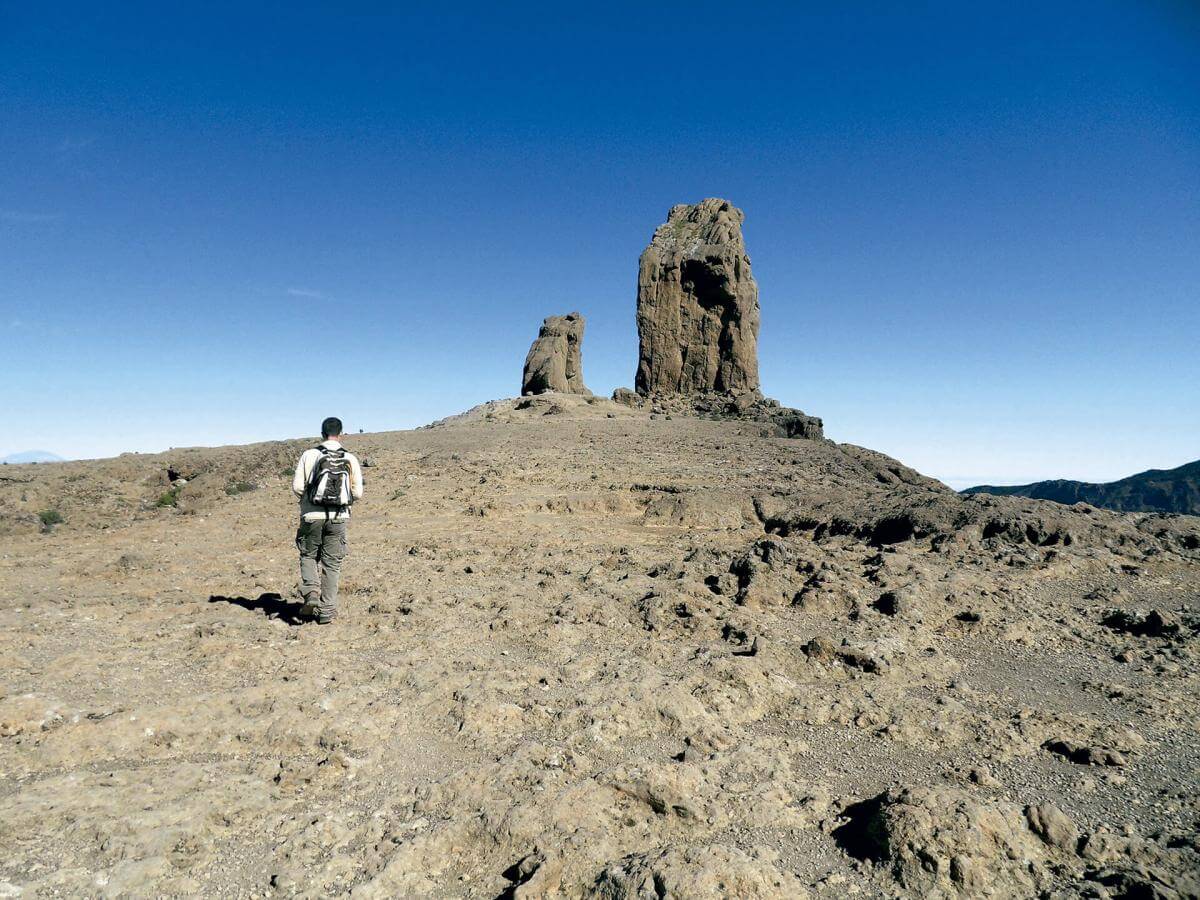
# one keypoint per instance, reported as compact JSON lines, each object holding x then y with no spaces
{"x":590,"y":650}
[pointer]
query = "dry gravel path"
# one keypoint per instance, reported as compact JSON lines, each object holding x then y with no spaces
{"x":545,"y":653}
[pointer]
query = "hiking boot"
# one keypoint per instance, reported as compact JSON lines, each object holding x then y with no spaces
{"x":309,"y":610}
{"x":325,"y":619}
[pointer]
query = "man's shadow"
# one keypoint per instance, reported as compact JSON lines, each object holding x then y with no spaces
{"x":272,"y":605}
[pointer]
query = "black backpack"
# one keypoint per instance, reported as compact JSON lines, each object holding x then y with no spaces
{"x":329,"y":483}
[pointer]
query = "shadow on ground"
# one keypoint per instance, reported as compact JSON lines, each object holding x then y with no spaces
{"x":273,"y":606}
{"x":863,"y":836}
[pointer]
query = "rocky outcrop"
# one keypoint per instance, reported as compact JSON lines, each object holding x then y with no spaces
{"x":944,"y":842}
{"x":697,"y":305}
{"x":710,"y":871}
{"x":749,"y":405}
{"x":697,"y":317}
{"x":555,"y":361}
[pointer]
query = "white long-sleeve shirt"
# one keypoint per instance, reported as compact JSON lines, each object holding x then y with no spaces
{"x":304,"y":468}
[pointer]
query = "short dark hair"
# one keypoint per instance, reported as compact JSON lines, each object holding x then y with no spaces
{"x":331,"y":427}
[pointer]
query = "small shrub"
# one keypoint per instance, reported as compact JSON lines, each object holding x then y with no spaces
{"x":239,"y":487}
{"x":168,"y":498}
{"x":50,"y":518}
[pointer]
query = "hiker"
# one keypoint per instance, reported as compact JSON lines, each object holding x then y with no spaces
{"x":327,"y":481}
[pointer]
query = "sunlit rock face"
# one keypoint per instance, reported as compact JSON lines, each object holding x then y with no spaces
{"x":697,"y":304}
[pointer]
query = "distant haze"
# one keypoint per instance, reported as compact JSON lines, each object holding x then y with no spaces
{"x":31,"y":456}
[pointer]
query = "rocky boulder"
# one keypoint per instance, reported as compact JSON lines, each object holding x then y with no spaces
{"x":939,"y":842}
{"x":697,"y":304}
{"x":751,"y":406}
{"x":555,"y":360}
{"x":675,"y":873}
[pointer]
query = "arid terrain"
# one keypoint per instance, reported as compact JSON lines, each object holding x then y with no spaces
{"x":588,"y":649}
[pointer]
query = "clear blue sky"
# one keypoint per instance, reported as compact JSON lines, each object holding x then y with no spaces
{"x":975,"y":226}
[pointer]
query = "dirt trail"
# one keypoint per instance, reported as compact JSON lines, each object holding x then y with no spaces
{"x":584,"y":651}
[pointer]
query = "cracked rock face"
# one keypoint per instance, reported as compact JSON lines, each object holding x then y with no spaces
{"x":555,"y":360}
{"x":697,"y":305}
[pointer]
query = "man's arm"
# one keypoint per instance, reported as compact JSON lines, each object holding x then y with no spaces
{"x":300,"y":479}
{"x":356,"y":480}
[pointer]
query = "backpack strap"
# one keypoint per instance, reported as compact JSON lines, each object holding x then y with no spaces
{"x":314,"y":471}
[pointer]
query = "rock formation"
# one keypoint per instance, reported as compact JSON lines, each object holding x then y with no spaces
{"x":944,"y":841}
{"x":555,"y":361}
{"x":697,"y":304}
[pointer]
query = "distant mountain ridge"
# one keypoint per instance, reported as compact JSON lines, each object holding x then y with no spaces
{"x":31,"y":456}
{"x":1155,"y":490}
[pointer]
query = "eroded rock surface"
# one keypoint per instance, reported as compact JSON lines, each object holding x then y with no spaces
{"x":697,"y":304}
{"x":590,"y":649}
{"x":555,"y":360}
{"x":748,"y":405}
{"x":695,"y":872}
{"x":945,"y":842}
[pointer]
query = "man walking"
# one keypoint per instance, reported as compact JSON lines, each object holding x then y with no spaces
{"x":327,"y":481}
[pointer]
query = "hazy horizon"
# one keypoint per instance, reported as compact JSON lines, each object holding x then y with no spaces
{"x":976,"y":232}
{"x":958,"y":482}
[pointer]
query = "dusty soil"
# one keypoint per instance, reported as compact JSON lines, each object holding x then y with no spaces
{"x":588,"y":650}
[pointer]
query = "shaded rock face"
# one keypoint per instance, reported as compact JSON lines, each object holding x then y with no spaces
{"x":697,"y":305}
{"x":555,"y":360}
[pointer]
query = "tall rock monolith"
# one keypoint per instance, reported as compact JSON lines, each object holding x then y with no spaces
{"x":555,"y":360}
{"x":697,"y":305}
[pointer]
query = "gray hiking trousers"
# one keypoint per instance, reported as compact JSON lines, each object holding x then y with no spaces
{"x":322,"y":547}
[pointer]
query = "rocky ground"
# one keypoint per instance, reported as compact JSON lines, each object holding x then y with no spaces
{"x":590,"y":650}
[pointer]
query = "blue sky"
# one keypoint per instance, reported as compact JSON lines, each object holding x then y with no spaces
{"x":975,"y":227}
